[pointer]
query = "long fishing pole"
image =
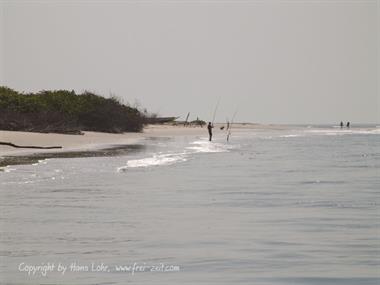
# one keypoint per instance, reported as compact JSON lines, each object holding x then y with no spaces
{"x":232,"y":121}
{"x":187,"y":118}
{"x":216,"y":108}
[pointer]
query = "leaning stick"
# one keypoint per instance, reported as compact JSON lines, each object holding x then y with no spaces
{"x":28,"y":146}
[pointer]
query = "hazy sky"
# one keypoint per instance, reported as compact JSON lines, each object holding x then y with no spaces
{"x":275,"y":61}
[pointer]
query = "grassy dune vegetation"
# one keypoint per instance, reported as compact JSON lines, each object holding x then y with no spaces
{"x":64,"y":111}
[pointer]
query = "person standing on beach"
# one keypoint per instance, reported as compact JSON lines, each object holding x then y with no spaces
{"x":341,"y":125}
{"x":209,"y":128}
{"x":348,"y":125}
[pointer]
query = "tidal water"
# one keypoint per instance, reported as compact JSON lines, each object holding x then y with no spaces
{"x":298,"y":205}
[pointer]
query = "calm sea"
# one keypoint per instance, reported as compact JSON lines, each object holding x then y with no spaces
{"x":292,"y":206}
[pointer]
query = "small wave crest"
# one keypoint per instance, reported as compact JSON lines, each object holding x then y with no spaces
{"x":291,"y":136}
{"x":7,"y":169}
{"x":206,"y":146}
{"x":345,"y":132}
{"x":40,"y":162}
{"x":155,"y":160}
{"x":158,"y":159}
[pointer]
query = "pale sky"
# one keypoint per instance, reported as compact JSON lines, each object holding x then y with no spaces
{"x":290,"y":61}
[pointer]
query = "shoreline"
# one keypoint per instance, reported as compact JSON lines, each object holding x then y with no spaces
{"x":97,"y":141}
{"x":94,"y":143}
{"x":87,"y":145}
{"x":88,"y":141}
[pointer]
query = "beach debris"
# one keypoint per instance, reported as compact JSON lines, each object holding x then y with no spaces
{"x":29,"y":146}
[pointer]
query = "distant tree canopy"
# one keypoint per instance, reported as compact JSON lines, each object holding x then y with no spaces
{"x":65,"y":111}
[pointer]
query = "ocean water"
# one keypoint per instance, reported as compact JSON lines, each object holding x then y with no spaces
{"x":298,"y":205}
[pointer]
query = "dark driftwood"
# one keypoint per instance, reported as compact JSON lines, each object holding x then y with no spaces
{"x":29,"y":146}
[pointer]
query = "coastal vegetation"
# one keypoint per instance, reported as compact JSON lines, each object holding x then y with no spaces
{"x":63,"y":111}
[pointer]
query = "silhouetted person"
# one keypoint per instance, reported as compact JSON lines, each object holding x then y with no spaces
{"x":341,"y":125}
{"x":209,"y":128}
{"x":348,"y":125}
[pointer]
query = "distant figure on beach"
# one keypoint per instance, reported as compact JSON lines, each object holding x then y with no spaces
{"x":348,"y":125}
{"x":209,"y":128}
{"x":341,"y":125}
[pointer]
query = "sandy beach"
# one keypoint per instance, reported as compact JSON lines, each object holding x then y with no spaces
{"x":86,"y":142}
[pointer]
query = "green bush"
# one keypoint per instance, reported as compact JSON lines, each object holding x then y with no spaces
{"x":65,"y":111}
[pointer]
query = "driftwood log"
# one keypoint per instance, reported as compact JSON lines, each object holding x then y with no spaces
{"x":29,"y":146}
